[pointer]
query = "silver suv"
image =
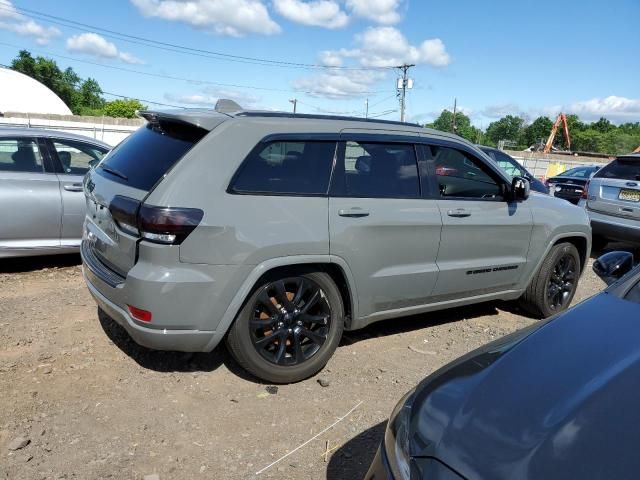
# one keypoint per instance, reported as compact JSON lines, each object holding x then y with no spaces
{"x":277,"y":232}
{"x":613,"y":201}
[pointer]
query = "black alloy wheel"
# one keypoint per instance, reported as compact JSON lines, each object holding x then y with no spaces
{"x":291,"y":321}
{"x":562,"y":282}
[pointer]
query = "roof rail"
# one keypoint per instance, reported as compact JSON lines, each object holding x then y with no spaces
{"x":250,"y":113}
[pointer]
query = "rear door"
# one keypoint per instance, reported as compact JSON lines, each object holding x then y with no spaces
{"x":485,"y":238}
{"x":30,"y":208}
{"x":615,"y":188}
{"x":380,"y":224}
{"x":74,"y":159}
{"x":130,"y":171}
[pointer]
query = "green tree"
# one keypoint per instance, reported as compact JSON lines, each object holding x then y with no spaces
{"x":80,"y":96}
{"x":444,"y":123}
{"x":603,"y":125}
{"x":123,"y":108}
{"x":537,"y":131}
{"x":507,"y":128}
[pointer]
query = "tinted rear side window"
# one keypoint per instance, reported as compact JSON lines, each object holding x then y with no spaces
{"x":283,"y":167}
{"x":378,"y":170}
{"x":622,"y":169}
{"x":148,"y":154}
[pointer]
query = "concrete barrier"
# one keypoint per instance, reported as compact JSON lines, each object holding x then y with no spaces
{"x":106,"y":129}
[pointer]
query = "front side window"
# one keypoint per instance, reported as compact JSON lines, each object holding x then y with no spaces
{"x":459,"y":175}
{"x":287,"y":167}
{"x":77,"y":157}
{"x":20,"y":155}
{"x":380,"y":170}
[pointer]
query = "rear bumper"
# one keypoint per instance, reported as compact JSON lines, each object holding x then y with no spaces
{"x":179,"y":340}
{"x":187,"y":301}
{"x":615,"y":228}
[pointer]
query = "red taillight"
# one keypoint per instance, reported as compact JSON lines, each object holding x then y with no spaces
{"x":169,"y":225}
{"x":585,"y":191}
{"x":140,"y":314}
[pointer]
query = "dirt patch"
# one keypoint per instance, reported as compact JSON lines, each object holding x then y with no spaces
{"x":92,"y":404}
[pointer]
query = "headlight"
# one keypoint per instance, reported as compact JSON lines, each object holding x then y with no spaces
{"x":396,"y":439}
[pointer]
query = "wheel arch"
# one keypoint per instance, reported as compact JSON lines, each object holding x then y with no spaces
{"x":335,"y":267}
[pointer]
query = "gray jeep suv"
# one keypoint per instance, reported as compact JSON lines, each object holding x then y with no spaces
{"x":277,"y":232}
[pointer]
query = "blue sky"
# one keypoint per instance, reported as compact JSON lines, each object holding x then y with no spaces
{"x":497,"y":57}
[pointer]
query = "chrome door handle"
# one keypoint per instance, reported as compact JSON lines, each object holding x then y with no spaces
{"x":354,"y":212}
{"x":76,"y":187}
{"x":459,"y":213}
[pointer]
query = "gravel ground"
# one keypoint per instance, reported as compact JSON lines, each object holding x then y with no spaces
{"x":78,"y":399}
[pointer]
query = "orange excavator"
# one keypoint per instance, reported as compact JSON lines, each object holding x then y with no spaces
{"x":562,"y":118}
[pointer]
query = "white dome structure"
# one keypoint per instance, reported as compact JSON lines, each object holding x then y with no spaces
{"x":23,"y":94}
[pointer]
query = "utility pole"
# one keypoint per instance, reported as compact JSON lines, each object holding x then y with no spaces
{"x":295,"y":104}
{"x":454,"y":127}
{"x":404,"y":83}
{"x":366,"y":109}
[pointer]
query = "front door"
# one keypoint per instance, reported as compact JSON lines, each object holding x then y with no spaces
{"x":30,"y":206}
{"x":380,"y":225}
{"x":485,"y":239}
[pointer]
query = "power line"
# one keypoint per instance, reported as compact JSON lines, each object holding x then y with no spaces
{"x":164,"y":76}
{"x":176,"y":48}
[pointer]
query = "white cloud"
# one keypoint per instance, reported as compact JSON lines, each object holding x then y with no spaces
{"x":210,"y":95}
{"x":338,"y":84}
{"x":97,"y":46}
{"x":380,"y":11}
{"x":224,"y":17}
{"x":387,"y":46}
{"x":316,"y":13}
{"x":617,"y":109}
{"x":502,"y":110}
{"x":12,"y":20}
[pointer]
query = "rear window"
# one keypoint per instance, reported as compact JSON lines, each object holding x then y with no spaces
{"x":149,"y":153}
{"x":622,"y":169}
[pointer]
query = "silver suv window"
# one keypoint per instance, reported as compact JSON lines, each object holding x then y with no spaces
{"x":460,"y":175}
{"x":378,"y":170}
{"x":622,"y":169}
{"x":287,"y":167}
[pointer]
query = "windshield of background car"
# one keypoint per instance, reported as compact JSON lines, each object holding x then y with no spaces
{"x":621,"y":168}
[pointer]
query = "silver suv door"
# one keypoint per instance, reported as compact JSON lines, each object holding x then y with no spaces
{"x":485,"y":239}
{"x":74,"y":159}
{"x":30,"y":206}
{"x":615,"y":189}
{"x":380,"y":225}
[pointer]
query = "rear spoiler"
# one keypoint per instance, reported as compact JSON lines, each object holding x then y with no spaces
{"x":205,"y":119}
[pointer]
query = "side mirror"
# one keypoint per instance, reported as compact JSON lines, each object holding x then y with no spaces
{"x":520,"y":188}
{"x":612,"y":266}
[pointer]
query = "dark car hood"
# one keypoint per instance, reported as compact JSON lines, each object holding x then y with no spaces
{"x":562,"y":402}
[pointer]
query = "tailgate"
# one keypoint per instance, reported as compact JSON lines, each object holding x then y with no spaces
{"x":123,"y":180}
{"x":615,"y":190}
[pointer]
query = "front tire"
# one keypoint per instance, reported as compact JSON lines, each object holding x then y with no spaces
{"x":288,"y":328}
{"x":553,"y":287}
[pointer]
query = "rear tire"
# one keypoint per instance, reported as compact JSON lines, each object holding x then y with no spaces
{"x":552,"y":288}
{"x":288,"y":328}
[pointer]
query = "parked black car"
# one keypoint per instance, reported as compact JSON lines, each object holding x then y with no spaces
{"x":571,"y":184}
{"x":513,"y":168}
{"x":556,"y":400}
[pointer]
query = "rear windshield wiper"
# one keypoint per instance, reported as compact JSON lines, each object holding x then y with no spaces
{"x":113,"y":171}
